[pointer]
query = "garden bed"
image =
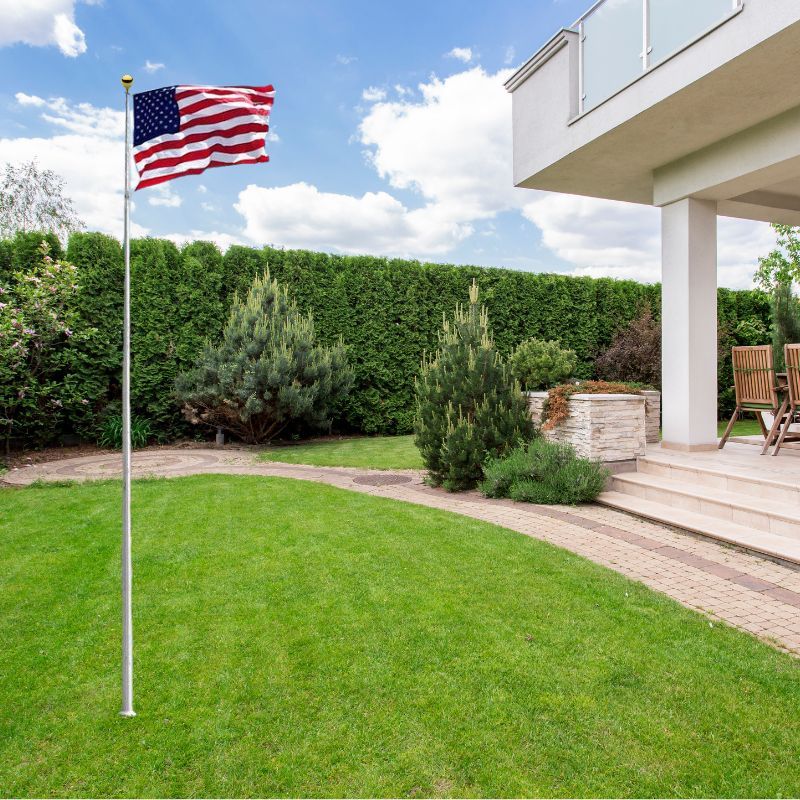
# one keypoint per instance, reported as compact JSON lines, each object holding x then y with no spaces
{"x":603,"y":427}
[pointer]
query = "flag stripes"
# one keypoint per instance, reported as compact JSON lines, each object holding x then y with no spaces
{"x":184,"y":130}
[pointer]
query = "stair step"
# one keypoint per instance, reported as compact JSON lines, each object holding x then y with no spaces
{"x":772,"y":545}
{"x":765,"y":485}
{"x":759,"y":513}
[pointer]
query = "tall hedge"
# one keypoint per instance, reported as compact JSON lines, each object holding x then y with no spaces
{"x":97,"y":366}
{"x":388,"y":312}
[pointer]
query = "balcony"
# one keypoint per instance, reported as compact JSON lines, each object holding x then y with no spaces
{"x":630,"y":101}
{"x":620,"y":40}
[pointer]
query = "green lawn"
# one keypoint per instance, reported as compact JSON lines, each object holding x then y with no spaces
{"x":744,"y":427}
{"x":389,"y":452}
{"x":369,"y":452}
{"x":296,"y":639}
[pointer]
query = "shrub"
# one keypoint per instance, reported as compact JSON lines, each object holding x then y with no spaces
{"x":538,"y":364}
{"x":785,"y":321}
{"x":111,"y":432}
{"x":544,"y":472}
{"x":37,"y":321}
{"x":557,"y":406}
{"x":267,"y":372}
{"x":635,"y":353}
{"x":468,"y":404}
{"x":96,"y":365}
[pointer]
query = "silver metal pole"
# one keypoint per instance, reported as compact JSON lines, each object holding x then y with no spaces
{"x":127,"y":616}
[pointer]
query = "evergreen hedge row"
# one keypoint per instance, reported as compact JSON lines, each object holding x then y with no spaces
{"x":387,"y":310}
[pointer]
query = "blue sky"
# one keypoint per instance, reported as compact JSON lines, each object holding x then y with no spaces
{"x":392,"y":129}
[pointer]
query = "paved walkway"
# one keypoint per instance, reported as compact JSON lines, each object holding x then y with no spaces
{"x":744,"y":590}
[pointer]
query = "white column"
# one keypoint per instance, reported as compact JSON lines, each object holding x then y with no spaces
{"x":689,"y":324}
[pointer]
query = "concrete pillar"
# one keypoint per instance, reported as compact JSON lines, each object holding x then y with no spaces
{"x":689,"y":324}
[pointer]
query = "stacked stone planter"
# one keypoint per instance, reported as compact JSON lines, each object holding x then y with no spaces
{"x":605,"y":427}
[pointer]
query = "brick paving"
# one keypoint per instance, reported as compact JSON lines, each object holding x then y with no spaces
{"x":741,"y":589}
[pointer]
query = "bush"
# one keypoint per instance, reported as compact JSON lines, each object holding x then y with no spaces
{"x":785,"y":321}
{"x":37,"y":321}
{"x":468,"y":404}
{"x":96,"y":365}
{"x":111,"y":432}
{"x":538,"y":364}
{"x":635,"y":354}
{"x":544,"y":472}
{"x":388,"y":311}
{"x":267,"y":372}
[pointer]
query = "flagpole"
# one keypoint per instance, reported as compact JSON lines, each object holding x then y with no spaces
{"x":127,"y":615}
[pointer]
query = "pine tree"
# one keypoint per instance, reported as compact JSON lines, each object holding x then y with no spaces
{"x":267,"y":372}
{"x":469,"y":407}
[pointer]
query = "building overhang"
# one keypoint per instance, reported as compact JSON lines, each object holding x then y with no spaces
{"x":734,"y":80}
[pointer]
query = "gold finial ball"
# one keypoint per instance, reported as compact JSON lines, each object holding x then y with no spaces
{"x":127,"y":81}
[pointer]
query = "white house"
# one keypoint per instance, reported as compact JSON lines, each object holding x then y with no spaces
{"x":689,"y":105}
{"x":692,"y":106}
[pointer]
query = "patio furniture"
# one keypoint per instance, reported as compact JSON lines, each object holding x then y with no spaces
{"x":757,"y":390}
{"x":792,"y":353}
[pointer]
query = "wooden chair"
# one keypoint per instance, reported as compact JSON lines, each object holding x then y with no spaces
{"x":792,"y":353}
{"x":756,"y":390}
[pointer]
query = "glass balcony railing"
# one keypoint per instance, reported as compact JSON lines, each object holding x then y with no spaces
{"x":621,"y":39}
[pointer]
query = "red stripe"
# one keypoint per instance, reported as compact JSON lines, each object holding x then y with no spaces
{"x":207,"y":103}
{"x":248,"y":127}
{"x":226,"y":97}
{"x":223,"y":116}
{"x":179,"y":95}
{"x":143,"y":184}
{"x":243,"y":147}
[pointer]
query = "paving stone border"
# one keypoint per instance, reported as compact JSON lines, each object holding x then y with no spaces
{"x":739,"y":588}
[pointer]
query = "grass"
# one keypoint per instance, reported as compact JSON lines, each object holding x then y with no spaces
{"x":368,"y":452}
{"x":743,"y":427}
{"x":389,"y":452}
{"x":295,"y":639}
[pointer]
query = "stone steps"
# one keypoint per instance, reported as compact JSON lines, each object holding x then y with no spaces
{"x":738,"y":497}
{"x":770,"y":516}
{"x":781,"y":548}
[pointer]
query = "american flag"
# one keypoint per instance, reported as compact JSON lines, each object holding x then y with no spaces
{"x":184,"y":130}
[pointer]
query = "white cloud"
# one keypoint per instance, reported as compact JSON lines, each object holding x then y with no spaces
{"x":163,"y":195}
{"x":602,"y":238}
{"x":373,"y":94}
{"x":511,"y":54}
{"x":152,"y":66}
{"x":300,"y":215}
{"x":202,"y":188}
{"x":436,"y":147}
{"x":208,"y":206}
{"x":345,"y":59}
{"x":42,"y":23}
{"x":86,"y":151}
{"x":29,"y":99}
{"x":461,"y":54}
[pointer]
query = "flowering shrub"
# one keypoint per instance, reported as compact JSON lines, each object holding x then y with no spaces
{"x":36,"y":328}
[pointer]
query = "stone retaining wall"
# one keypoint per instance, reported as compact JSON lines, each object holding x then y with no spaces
{"x":605,"y":427}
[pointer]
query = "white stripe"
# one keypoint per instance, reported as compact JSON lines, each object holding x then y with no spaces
{"x":178,"y":152}
{"x":226,"y":158}
{"x":179,"y":137}
{"x":210,"y":111}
